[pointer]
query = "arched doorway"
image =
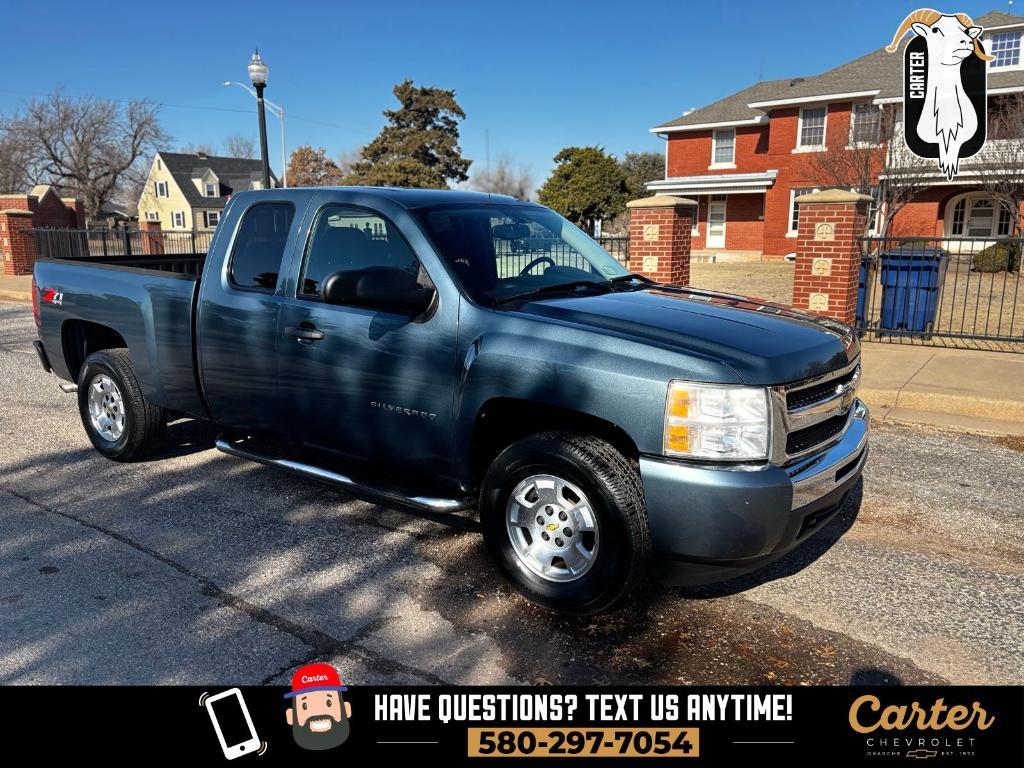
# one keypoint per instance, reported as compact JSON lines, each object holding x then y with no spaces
{"x":977,"y":214}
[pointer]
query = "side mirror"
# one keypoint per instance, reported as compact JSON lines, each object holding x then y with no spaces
{"x":383,"y":288}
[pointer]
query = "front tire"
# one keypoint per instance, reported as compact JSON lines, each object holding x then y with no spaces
{"x":563,"y":516}
{"x":118,"y":419}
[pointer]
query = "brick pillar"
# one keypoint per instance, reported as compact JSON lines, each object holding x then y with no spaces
{"x":152,"y":238}
{"x":17,"y":244}
{"x":659,"y":238}
{"x":827,"y":256}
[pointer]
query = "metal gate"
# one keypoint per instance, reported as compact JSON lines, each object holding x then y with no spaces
{"x":952,"y":291}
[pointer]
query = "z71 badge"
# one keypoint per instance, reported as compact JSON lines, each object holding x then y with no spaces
{"x":51,"y":296}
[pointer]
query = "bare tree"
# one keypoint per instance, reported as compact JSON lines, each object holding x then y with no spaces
{"x":348,"y":159}
{"x":505,"y":177}
{"x":1000,"y":165}
{"x":239,"y":145}
{"x":202,"y":148}
{"x":874,"y":162}
{"x":19,"y":167}
{"x":88,"y":147}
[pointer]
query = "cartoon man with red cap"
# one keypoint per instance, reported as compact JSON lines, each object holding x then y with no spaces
{"x":318,"y":715}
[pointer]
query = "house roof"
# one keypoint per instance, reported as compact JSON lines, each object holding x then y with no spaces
{"x":879,"y":74}
{"x":235,"y":174}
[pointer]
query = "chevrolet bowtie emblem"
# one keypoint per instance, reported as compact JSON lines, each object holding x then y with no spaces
{"x":552,"y":526}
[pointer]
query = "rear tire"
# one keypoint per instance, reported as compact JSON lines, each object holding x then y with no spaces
{"x":587,"y":561}
{"x":118,"y":419}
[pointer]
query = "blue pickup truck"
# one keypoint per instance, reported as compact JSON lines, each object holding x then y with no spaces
{"x":445,"y":350}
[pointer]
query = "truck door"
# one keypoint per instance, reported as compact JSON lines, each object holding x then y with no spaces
{"x":371,"y":384}
{"x":238,"y":316}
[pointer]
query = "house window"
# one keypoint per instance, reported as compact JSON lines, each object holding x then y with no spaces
{"x":160,"y":189}
{"x":159,"y":165}
{"x":1004,"y":221}
{"x":1006,"y":49}
{"x":178,"y":219}
{"x":812,"y":127}
{"x":956,"y":226}
{"x":865,"y":124}
{"x":724,"y":152}
{"x":794,"y":209}
{"x":211,"y":219}
{"x":211,"y":189}
{"x":152,"y":216}
{"x":872,"y":212}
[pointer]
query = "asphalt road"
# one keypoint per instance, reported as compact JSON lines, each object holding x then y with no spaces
{"x":200,"y":568}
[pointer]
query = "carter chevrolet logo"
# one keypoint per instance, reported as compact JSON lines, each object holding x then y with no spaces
{"x":390,"y":407}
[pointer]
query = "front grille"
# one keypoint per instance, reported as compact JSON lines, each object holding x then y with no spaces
{"x":801,"y":398}
{"x":808,"y":437}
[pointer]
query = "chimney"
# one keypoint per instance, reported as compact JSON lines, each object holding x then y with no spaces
{"x":201,"y":155}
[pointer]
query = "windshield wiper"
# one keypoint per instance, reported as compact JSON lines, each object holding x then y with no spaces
{"x":603,"y":286}
{"x":632,"y":277}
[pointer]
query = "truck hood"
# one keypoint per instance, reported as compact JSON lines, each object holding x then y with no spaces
{"x":763,"y":343}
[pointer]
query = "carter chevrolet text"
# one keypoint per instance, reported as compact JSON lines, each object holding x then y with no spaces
{"x":445,"y":350}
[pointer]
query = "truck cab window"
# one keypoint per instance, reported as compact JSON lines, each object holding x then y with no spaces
{"x":353,"y":239}
{"x":259,"y":246}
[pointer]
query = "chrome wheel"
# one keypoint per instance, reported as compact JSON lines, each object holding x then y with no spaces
{"x":553,"y":528}
{"x":106,"y":408}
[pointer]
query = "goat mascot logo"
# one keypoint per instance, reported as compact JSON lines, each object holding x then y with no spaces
{"x":944,"y":87}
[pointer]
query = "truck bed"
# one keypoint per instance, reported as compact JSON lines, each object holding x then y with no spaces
{"x":152,"y":308}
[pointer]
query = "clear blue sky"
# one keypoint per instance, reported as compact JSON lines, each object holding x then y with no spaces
{"x":533,"y":76}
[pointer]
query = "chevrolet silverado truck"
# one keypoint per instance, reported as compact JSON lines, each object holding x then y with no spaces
{"x":445,"y":350}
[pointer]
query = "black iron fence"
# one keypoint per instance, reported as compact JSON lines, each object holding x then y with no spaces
{"x":517,"y":256}
{"x":952,"y":291}
{"x":617,"y":246}
{"x":61,"y":243}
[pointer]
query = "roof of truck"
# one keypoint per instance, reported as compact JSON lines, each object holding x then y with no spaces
{"x":419,"y":198}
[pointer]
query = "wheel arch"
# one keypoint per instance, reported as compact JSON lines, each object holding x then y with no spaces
{"x":81,"y":338}
{"x":502,"y":421}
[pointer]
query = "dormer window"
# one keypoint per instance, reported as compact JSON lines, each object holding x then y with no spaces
{"x":211,"y":189}
{"x":1005,"y":47}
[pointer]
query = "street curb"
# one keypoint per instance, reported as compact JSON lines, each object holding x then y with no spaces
{"x":943,"y":404}
{"x":16,"y":295}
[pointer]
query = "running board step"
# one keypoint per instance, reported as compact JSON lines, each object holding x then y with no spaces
{"x":241,"y":444}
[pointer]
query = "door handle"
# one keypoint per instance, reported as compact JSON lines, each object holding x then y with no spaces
{"x":304,"y":332}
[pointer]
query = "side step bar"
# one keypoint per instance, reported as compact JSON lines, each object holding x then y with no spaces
{"x":234,"y":443}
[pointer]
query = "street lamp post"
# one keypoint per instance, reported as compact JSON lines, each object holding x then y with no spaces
{"x":277,"y":111}
{"x":258,"y":76}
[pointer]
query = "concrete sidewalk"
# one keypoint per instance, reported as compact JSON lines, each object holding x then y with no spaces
{"x":16,"y":288}
{"x":959,"y":388}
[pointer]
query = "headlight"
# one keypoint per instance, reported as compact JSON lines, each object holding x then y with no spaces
{"x":707,"y":421}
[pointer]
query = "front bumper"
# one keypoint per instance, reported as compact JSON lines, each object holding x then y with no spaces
{"x":727,"y":520}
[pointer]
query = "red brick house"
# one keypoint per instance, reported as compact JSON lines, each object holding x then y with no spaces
{"x":746,"y":157}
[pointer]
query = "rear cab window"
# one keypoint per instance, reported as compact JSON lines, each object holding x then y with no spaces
{"x":259,"y":246}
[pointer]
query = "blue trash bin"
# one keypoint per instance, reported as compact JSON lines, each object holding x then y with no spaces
{"x":862,"y":290}
{"x":911,"y":279}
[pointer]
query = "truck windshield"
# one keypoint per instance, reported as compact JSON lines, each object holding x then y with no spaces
{"x":500,"y":251}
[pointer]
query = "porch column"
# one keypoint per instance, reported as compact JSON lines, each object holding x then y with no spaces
{"x":17,"y":244}
{"x":827,"y":256}
{"x":659,"y":238}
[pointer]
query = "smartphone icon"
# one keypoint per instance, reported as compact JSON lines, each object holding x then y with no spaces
{"x":233,"y":724}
